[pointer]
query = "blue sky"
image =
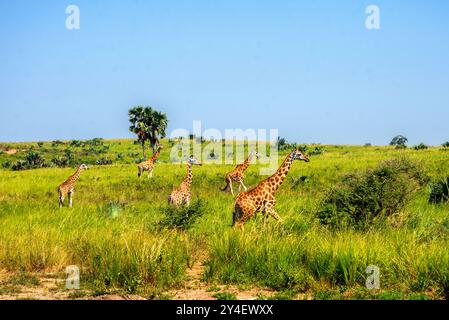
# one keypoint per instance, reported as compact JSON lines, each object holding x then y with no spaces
{"x":310,"y":69}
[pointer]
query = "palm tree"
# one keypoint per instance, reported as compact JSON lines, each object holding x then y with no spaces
{"x":148,"y":124}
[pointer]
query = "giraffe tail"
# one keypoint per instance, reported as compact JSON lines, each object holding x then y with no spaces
{"x":224,"y":189}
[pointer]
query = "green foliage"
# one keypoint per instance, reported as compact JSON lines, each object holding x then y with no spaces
{"x":61,"y":161}
{"x":103,"y":161}
{"x":421,"y":146}
{"x":225,"y":296}
{"x":7,"y":164}
{"x":56,"y":143}
{"x":439,"y":191}
{"x":361,"y":198}
{"x":182,"y":217}
{"x":95,"y":142}
{"x":148,"y":124}
{"x":284,"y":145}
{"x":76,"y":143}
{"x":33,"y":160}
{"x":399,"y":142}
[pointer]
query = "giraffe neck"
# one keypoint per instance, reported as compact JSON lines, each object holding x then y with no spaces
{"x":278,"y":177}
{"x":245,"y":164}
{"x":155,"y":155}
{"x":76,"y":175}
{"x":188,"y":178}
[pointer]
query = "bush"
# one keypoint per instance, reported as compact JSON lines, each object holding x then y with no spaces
{"x":362,"y":198}
{"x":103,"y":161}
{"x":76,"y":143}
{"x":439,"y":191}
{"x":95,"y":142}
{"x":40,"y":144}
{"x":56,"y":143}
{"x":61,"y":161}
{"x":7,"y":164}
{"x":20,"y":165}
{"x":182,"y":217}
{"x":421,"y":146}
{"x":33,"y":160}
{"x":316,"y":151}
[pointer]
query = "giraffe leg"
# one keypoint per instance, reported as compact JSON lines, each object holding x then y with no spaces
{"x":243,"y":185}
{"x":232,"y":191}
{"x":140,"y":172}
{"x":70,"y":196}
{"x":240,"y":187}
{"x":150,"y":173}
{"x":271,"y":212}
{"x":61,"y":199}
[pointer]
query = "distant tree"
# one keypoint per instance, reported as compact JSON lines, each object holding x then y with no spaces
{"x":148,"y":124}
{"x":445,"y":145}
{"x":399,"y":141}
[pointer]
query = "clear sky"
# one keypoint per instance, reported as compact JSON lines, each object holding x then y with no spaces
{"x":308,"y":68}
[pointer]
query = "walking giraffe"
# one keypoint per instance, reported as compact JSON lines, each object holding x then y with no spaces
{"x":262,"y":197}
{"x":238,"y":174}
{"x":148,"y":165}
{"x":67,"y":188}
{"x":182,"y":194}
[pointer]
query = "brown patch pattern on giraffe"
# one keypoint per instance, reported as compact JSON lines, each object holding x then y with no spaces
{"x":262,"y":197}
{"x":181,"y":195}
{"x":238,"y":174}
{"x":148,"y":165}
{"x":67,"y":188}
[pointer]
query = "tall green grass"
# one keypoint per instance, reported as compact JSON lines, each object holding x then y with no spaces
{"x":113,"y":231}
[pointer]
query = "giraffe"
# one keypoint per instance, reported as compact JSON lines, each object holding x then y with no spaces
{"x":148,"y":165}
{"x":237,"y":175}
{"x":262,"y":197}
{"x":182,"y":194}
{"x":67,"y":188}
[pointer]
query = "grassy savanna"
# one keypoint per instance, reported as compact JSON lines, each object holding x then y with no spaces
{"x":115,"y":235}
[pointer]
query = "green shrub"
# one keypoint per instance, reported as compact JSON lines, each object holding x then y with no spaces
{"x":95,"y":142}
{"x":225,"y":296}
{"x":421,"y":146}
{"x":103,"y":161}
{"x":445,"y":145}
{"x":361,"y":198}
{"x":61,"y":161}
{"x":20,"y":165}
{"x":439,"y":191}
{"x":182,"y":217}
{"x":7,"y":164}
{"x":56,"y":143}
{"x":76,"y":143}
{"x":33,"y":160}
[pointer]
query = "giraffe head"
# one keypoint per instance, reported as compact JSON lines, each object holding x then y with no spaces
{"x":83,"y":167}
{"x":299,"y":155}
{"x":193,"y":161}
